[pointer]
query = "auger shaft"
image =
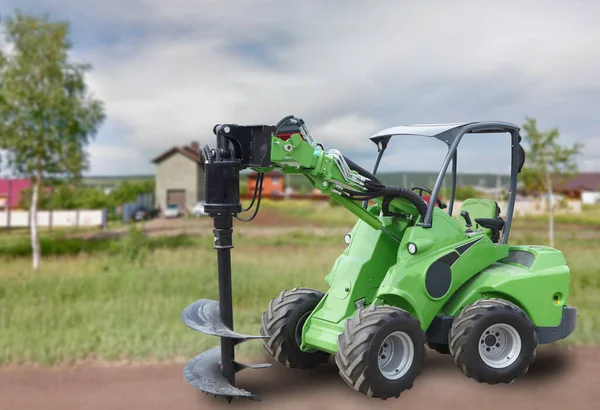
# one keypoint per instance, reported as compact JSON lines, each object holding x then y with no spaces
{"x":223,"y":244}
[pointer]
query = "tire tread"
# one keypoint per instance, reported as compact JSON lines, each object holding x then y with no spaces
{"x":463,"y":325}
{"x":275,"y":325}
{"x":354,"y":344}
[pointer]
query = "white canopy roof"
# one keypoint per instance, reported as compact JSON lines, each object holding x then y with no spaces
{"x":424,"y":130}
{"x":434,"y":130}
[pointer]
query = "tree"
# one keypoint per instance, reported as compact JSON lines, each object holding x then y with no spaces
{"x":129,"y":191}
{"x":547,"y":163}
{"x":43,"y":199}
{"x":462,"y":192}
{"x":47,"y":116}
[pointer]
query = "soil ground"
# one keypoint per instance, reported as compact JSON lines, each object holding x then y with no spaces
{"x":558,"y":379}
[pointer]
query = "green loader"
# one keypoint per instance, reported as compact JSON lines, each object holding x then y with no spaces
{"x":412,"y":274}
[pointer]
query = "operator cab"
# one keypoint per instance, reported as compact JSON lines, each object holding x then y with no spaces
{"x":476,"y":215}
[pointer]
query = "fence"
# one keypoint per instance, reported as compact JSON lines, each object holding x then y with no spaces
{"x":68,"y":218}
{"x":144,"y":200}
{"x":590,"y":198}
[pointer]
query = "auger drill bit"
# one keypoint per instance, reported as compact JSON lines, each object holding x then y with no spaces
{"x":213,"y":371}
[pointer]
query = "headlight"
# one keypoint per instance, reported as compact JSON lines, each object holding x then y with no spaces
{"x":412,"y":248}
{"x":347,"y":238}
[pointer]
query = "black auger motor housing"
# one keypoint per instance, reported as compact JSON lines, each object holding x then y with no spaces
{"x":238,"y":147}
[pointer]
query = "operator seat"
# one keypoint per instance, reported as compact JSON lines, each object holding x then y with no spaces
{"x":481,"y":215}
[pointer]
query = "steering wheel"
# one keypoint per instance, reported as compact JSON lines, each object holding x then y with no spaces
{"x":423,"y":189}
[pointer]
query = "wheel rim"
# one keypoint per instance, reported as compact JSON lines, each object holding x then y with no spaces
{"x":395,"y":355}
{"x":499,"y":345}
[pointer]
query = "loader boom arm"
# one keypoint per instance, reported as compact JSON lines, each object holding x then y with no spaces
{"x":327,"y":171}
{"x":342,"y":180}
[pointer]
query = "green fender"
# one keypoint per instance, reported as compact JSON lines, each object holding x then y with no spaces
{"x":535,"y":278}
{"x":445,"y":246}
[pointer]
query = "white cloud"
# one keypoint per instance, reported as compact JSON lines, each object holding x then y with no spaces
{"x":347,"y":130}
{"x":109,"y":160}
{"x":347,"y":71}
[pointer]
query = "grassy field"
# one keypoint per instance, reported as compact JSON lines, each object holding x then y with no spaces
{"x":123,"y":301}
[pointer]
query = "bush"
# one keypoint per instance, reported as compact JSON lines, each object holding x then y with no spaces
{"x":73,"y":196}
{"x":54,"y":246}
{"x":132,"y":247}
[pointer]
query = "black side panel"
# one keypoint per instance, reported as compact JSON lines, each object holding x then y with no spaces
{"x":450,"y":258}
{"x":438,"y":279}
{"x":463,"y":248}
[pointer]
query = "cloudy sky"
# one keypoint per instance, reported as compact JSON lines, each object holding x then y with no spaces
{"x":169,"y":70}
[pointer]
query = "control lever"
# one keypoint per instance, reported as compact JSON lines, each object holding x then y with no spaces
{"x":465,"y":215}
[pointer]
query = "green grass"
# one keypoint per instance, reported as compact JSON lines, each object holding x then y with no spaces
{"x":583,"y":218}
{"x":323,"y":213}
{"x":94,"y":306}
{"x":124,"y":301}
{"x":312,"y":211}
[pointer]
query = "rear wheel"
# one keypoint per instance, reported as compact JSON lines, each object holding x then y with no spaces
{"x":381,"y":351}
{"x":283,"y":322}
{"x":493,"y":341}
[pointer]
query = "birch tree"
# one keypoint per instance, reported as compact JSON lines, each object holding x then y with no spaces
{"x":47,"y":116}
{"x":547,"y":163}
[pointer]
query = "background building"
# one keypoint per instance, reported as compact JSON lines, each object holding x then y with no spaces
{"x":272,"y":187}
{"x":179,"y":177}
{"x":10,"y":192}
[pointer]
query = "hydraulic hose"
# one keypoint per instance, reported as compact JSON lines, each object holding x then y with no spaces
{"x":355,"y":167}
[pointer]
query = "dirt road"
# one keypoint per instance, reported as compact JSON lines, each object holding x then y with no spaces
{"x":559,"y":379}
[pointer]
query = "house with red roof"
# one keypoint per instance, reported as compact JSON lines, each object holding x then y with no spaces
{"x":179,"y":177}
{"x":584,"y":186}
{"x":11,"y":192}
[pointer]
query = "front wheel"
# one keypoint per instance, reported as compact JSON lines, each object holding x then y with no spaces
{"x":381,"y":351}
{"x":493,"y":341}
{"x":283,"y":322}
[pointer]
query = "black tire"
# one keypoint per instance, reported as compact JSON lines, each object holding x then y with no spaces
{"x":467,"y":334}
{"x":283,"y":322}
{"x":359,"y":348}
{"x":440,"y":348}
